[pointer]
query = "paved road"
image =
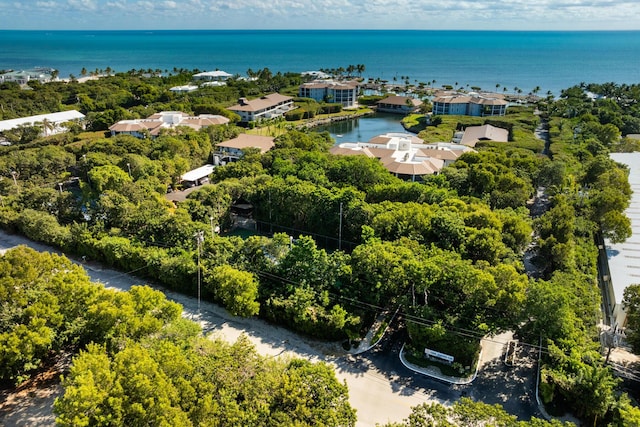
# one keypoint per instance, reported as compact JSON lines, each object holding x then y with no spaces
{"x":381,"y":389}
{"x":375,"y":396}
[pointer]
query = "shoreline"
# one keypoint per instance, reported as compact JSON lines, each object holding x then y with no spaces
{"x":330,"y":120}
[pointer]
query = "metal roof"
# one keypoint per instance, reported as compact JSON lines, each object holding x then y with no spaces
{"x":196,"y":174}
{"x":623,"y":257}
{"x":60,"y":117}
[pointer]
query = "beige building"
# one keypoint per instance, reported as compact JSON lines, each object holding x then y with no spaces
{"x":165,"y":120}
{"x":405,"y":155}
{"x":474,"y":134}
{"x":233,"y":149}
{"x":266,"y":107}
{"x":398,"y":104}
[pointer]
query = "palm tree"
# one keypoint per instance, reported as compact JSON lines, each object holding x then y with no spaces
{"x":360,"y":68}
{"x":351,"y":69}
{"x":47,"y":125}
{"x":83,"y":72}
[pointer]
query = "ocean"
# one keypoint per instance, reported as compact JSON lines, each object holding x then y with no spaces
{"x":551,"y":61}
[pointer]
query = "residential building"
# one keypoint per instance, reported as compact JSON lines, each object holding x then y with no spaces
{"x":266,"y":107}
{"x":469,"y":104}
{"x":212,"y":76}
{"x":405,"y":155}
{"x":55,"y":121}
{"x":340,"y":92}
{"x":153,"y":124}
{"x":315,"y":74}
{"x":474,"y":134}
{"x":22,"y":77}
{"x":233,"y":149}
{"x":398,"y":104}
{"x":183,"y":89}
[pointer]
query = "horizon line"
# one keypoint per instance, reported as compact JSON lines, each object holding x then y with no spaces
{"x":329,"y":30}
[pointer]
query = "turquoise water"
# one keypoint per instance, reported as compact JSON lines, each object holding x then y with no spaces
{"x":363,"y":128}
{"x":550,"y":60}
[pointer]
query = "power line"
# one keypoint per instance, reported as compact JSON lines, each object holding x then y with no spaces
{"x":413,"y":318}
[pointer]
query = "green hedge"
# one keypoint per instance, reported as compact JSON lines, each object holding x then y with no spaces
{"x":330,"y":108}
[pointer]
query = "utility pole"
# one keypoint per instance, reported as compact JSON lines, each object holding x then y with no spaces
{"x":199,"y":239}
{"x":212,"y":231}
{"x":340,"y":230}
{"x":270,"y":220}
{"x":14,"y":175}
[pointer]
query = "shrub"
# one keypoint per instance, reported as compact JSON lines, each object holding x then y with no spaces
{"x":330,"y":108}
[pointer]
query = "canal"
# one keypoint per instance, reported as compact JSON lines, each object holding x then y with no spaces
{"x":364,"y":128}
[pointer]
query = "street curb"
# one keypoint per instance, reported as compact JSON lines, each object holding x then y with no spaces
{"x":370,"y":346}
{"x":443,"y":378}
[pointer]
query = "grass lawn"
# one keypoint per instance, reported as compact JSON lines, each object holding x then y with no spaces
{"x":280,"y":128}
{"x":522,"y":119}
{"x":414,"y":123}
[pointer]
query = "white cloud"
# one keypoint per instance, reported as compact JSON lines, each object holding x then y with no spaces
{"x":46,"y":4}
{"x":83,"y":5}
{"x":323,"y":14}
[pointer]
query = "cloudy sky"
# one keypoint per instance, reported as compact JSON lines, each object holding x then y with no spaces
{"x":321,"y":14}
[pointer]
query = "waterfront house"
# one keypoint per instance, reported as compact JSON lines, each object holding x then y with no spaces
{"x":315,"y":75}
{"x":404,"y":155}
{"x":23,"y":77}
{"x":212,"y":76}
{"x":469,"y":104}
{"x":398,"y":104}
{"x":340,"y":92}
{"x":266,"y":107}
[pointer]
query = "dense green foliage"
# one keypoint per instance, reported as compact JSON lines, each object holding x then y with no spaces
{"x":141,"y":363}
{"x":466,"y":412}
{"x":631,"y":302}
{"x":358,"y":240}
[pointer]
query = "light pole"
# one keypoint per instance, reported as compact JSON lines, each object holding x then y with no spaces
{"x":199,"y":239}
{"x":129,"y":168}
{"x":211,"y":221}
{"x":14,"y":175}
{"x":60,"y":184}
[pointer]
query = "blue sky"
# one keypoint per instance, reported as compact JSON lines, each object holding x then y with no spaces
{"x":321,"y":14}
